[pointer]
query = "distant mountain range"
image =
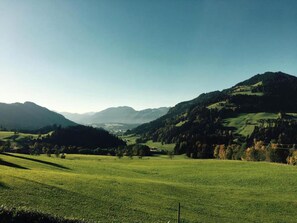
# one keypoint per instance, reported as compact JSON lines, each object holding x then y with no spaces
{"x":117,"y":118}
{"x":238,"y":109}
{"x":29,"y":116}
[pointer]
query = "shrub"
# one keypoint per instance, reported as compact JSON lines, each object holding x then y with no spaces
{"x":238,"y":152}
{"x":256,"y":152}
{"x":229,"y":152}
{"x":216,"y":152}
{"x":222,"y":152}
{"x":63,"y":156}
{"x":279,"y":155}
{"x":141,"y":150}
{"x":170,"y":154}
{"x":119,"y":153}
{"x":292,"y":158}
{"x":253,"y":154}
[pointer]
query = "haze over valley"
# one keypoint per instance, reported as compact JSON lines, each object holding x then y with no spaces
{"x":118,"y":119}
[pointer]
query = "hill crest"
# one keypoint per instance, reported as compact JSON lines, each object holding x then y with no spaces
{"x":29,"y":116}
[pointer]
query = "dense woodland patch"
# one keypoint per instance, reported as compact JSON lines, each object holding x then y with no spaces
{"x":71,"y":139}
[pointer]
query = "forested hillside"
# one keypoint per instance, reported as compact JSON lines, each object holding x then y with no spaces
{"x":230,"y":117}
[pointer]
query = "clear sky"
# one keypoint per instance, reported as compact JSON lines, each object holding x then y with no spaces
{"x":87,"y":55}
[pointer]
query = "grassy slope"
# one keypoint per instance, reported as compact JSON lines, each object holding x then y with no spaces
{"x":4,"y":135}
{"x":110,"y":190}
{"x":131,"y":139}
{"x":159,"y":145}
{"x":245,"y":123}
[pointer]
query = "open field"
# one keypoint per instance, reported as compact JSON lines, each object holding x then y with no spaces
{"x":106,"y":189}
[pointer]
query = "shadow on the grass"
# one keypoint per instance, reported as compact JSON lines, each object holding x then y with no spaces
{"x":4,"y":186}
{"x":36,"y":160}
{"x":5,"y":163}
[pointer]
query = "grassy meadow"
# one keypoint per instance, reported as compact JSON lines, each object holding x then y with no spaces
{"x":250,"y":120}
{"x":9,"y":135}
{"x":5,"y":135}
{"x":108,"y":189}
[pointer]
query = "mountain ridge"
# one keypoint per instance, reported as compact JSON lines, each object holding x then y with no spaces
{"x":120,"y":114}
{"x":29,"y":116}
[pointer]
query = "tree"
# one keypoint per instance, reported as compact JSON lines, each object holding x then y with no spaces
{"x":119,"y":153}
{"x":57,"y":150}
{"x":170,"y":154}
{"x":129,"y":152}
{"x":216,"y":151}
{"x":35,"y":150}
{"x":6,"y":146}
{"x":222,"y":152}
{"x":229,"y":152}
{"x":63,"y":156}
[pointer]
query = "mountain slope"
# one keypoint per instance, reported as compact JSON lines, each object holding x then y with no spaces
{"x":29,"y":116}
{"x":123,"y":115}
{"x":210,"y":118}
{"x":76,"y":117}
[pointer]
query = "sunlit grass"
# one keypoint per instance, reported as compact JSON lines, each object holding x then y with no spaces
{"x":8,"y":135}
{"x":108,"y":189}
{"x":131,"y":140}
{"x":4,"y":135}
{"x":246,"y":122}
{"x":159,"y":145}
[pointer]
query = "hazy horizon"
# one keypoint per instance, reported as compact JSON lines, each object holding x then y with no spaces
{"x":86,"y":56}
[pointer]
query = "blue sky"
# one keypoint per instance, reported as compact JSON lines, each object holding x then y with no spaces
{"x":87,"y":55}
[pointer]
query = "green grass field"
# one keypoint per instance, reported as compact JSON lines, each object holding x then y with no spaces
{"x":107,"y":189}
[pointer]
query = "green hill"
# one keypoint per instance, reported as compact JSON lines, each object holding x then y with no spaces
{"x":107,"y":189}
{"x":221,"y":117}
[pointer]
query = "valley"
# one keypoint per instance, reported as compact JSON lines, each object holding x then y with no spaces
{"x":196,"y":154}
{"x":117,"y":119}
{"x":148,"y":111}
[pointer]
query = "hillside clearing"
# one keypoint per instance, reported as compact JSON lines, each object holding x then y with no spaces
{"x":131,"y":140}
{"x":5,"y":135}
{"x":245,"y":123}
{"x":159,"y":145}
